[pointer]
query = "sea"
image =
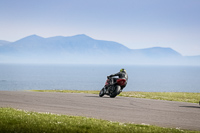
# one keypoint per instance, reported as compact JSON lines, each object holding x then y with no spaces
{"x":20,"y":77}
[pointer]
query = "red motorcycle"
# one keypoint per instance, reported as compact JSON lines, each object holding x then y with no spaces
{"x":113,"y":87}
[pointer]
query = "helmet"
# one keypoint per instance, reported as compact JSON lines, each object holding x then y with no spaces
{"x":122,"y":70}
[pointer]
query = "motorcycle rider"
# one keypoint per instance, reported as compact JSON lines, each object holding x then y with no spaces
{"x":122,"y":75}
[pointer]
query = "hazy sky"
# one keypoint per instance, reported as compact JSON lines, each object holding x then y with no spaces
{"x":133,"y":23}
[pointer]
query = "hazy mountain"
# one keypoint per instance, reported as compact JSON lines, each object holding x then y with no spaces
{"x":157,"y":52}
{"x":2,"y":42}
{"x":84,"y":49}
{"x":79,"y":44}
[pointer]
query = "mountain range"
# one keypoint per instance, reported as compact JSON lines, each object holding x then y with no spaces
{"x":86,"y":50}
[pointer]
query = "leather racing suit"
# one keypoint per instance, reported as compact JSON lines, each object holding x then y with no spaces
{"x":121,"y":75}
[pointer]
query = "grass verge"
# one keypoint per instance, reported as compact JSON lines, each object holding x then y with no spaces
{"x":169,"y":96}
{"x":19,"y":121}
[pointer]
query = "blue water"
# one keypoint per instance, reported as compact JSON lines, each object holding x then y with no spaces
{"x":92,"y":77}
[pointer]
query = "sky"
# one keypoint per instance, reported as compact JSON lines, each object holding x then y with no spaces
{"x":134,"y":23}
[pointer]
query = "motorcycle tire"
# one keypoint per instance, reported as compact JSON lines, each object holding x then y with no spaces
{"x":101,"y":93}
{"x":115,"y":92}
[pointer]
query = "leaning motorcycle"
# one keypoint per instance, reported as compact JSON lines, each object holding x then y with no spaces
{"x":112,"y":88}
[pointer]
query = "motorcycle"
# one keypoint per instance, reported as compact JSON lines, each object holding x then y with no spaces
{"x":113,"y":87}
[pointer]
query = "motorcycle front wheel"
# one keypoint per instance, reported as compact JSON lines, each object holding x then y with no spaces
{"x":101,"y":93}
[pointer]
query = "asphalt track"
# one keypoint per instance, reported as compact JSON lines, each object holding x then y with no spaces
{"x":123,"y":109}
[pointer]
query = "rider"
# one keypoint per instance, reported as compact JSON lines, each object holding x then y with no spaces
{"x":122,"y":75}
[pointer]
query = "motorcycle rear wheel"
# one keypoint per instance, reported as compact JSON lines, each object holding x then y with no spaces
{"x":115,"y":92}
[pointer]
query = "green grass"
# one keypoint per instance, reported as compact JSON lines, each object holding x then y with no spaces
{"x":69,"y":91}
{"x":170,"y":96}
{"x":19,"y":121}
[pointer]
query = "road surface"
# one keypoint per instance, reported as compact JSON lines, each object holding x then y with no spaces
{"x":123,"y":109}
